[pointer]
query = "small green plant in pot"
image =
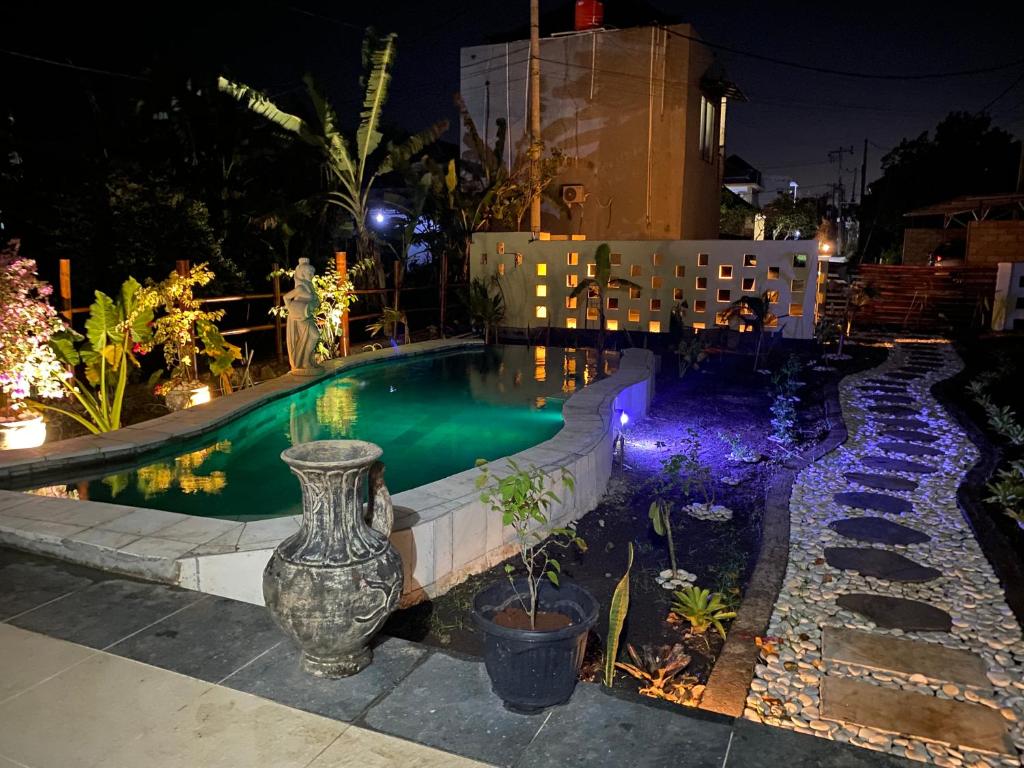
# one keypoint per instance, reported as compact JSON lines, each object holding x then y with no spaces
{"x":535,"y":623}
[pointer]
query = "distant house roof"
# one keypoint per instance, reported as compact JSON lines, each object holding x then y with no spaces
{"x":739,"y":171}
{"x":978,"y":207}
{"x":559,"y":18}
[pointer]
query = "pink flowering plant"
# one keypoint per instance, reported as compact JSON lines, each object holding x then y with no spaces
{"x":29,"y":368}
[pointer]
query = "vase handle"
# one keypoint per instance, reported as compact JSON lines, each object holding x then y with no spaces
{"x":381,"y":514}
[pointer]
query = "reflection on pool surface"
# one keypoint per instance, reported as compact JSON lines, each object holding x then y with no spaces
{"x":433,"y":416}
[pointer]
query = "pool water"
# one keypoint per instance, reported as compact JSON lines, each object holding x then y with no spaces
{"x":434,"y":416}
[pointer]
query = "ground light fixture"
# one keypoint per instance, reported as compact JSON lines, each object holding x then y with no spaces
{"x":619,"y":444}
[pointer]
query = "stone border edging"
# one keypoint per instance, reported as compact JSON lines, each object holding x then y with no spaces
{"x":729,"y":681}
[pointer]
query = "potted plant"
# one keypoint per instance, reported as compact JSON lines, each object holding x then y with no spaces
{"x":535,"y":626}
{"x":28,"y":365}
{"x":186,"y":331}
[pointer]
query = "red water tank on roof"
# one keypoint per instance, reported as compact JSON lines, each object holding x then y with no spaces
{"x":589,"y":14}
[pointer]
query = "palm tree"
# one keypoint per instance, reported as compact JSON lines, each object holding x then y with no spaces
{"x":485,"y":308}
{"x":755,"y":312}
{"x":601,"y":284}
{"x":859,"y":296}
{"x":351,"y":167}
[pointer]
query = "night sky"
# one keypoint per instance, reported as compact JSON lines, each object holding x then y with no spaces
{"x":790,"y":122}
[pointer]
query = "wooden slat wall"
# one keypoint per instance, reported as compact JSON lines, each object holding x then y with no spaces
{"x":926,"y":298}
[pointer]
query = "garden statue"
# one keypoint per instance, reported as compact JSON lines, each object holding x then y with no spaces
{"x":331,"y":585}
{"x":303,"y":336}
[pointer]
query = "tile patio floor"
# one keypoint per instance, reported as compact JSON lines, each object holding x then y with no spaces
{"x":97,"y":670}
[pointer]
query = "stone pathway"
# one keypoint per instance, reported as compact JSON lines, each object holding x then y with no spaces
{"x":891,"y":631}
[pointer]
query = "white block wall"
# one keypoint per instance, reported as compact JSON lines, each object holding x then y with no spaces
{"x":1008,"y":305}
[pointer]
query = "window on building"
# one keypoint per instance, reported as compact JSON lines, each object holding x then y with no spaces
{"x":749,"y":284}
{"x":571,"y":281}
{"x":613,"y":302}
{"x":773,"y":297}
{"x":677,"y":294}
{"x":656,"y":259}
{"x":573,"y":259}
{"x":725,"y":271}
{"x":799,"y":260}
{"x":634,"y":315}
{"x":542,"y":291}
{"x":706,"y":142}
{"x":612,"y":325}
{"x":798,"y":285}
{"x":702,"y":259}
{"x":634,"y":293}
{"x":773,"y":273}
{"x":700,"y":306}
{"x":570,"y":322}
{"x":616,"y":259}
{"x":724,"y":294}
{"x":570,"y":302}
{"x":655,"y":305}
{"x":634,"y":270}
{"x":541,"y":311}
{"x":654,"y":326}
{"x":655,"y":282}
{"x":592,"y":313}
{"x":796,"y":310}
{"x":680,"y":270}
{"x":542,"y":270}
{"x":591,"y":270}
{"x":749,"y":260}
{"x":701,"y":284}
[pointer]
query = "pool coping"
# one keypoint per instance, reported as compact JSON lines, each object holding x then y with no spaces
{"x":442,"y":529}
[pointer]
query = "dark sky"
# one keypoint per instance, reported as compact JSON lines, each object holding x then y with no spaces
{"x":791,"y":121}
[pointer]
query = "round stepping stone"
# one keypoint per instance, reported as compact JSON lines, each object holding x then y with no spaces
{"x":894,"y":410}
{"x":909,"y":449}
{"x":910,"y":435}
{"x":897,"y":612}
{"x":888,"y":397}
{"x":894,"y":388}
{"x":904,"y":424}
{"x":881,"y":382}
{"x":877,"y":530}
{"x":879,"y":563}
{"x":886,"y":464}
{"x":918,"y":367}
{"x":903,"y":376}
{"x":882,"y":482}
{"x":880,"y":502}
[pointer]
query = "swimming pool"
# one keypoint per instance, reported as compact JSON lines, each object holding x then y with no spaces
{"x":433,"y":416}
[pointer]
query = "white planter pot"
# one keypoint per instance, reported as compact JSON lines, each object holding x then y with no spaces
{"x":22,"y":433}
{"x":180,"y":398}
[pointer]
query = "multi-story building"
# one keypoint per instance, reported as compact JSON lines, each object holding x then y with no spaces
{"x":639,"y":113}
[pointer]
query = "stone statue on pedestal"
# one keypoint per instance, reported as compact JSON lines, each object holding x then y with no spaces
{"x":303,"y":336}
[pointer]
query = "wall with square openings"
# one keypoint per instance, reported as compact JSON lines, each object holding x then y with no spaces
{"x":707,"y":275}
{"x":1008,"y":307}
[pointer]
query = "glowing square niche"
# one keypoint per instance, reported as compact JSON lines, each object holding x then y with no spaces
{"x":796,"y":310}
{"x":680,"y":270}
{"x":573,"y":259}
{"x":725,"y":272}
{"x":701,"y":284}
{"x":773,"y":273}
{"x":541,"y":312}
{"x":634,"y":293}
{"x":677,"y":294}
{"x":702,"y":259}
{"x":655,"y":305}
{"x":542,"y":270}
{"x":542,"y":291}
{"x":592,"y":313}
{"x":571,"y":281}
{"x":635,"y":270}
{"x":724,"y":294}
{"x":570,"y":322}
{"x":655,"y":282}
{"x":613,"y":325}
{"x":634,"y":315}
{"x":749,"y":260}
{"x":748,"y":283}
{"x":654,"y":326}
{"x":570,"y":302}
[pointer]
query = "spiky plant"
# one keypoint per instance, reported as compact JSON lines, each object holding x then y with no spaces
{"x":601,"y":284}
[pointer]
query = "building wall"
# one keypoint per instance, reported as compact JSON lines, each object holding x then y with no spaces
{"x":1008,"y":307}
{"x":991,"y":242}
{"x":624,"y":105}
{"x":919,"y":242}
{"x":667,"y":270}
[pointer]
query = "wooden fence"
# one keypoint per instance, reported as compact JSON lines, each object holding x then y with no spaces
{"x":927,"y":298}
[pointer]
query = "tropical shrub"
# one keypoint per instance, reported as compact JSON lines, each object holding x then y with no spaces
{"x":29,"y":368}
{"x":485,"y":309}
{"x":336,"y":296}
{"x":616,"y":619}
{"x":702,"y":608}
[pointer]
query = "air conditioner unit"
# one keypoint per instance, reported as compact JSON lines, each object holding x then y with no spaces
{"x":573,"y":194}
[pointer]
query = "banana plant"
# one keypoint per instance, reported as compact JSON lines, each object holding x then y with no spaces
{"x":351,"y":166}
{"x":756,"y":312}
{"x":616,"y":618}
{"x":114,"y":330}
{"x":600,"y":285}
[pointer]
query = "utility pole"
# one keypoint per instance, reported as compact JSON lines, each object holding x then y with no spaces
{"x":535,"y":140}
{"x":836,"y":156}
{"x":863,"y":171}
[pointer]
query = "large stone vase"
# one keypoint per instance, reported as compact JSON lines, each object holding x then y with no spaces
{"x":331,"y":585}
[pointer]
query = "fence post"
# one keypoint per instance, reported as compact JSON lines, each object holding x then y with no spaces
{"x":278,"y":346}
{"x":444,"y":286}
{"x":397,"y":279}
{"x":341,"y":265}
{"x":65,"y":289}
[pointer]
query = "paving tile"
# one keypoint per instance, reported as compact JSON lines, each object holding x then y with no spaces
{"x":899,"y":654}
{"x":897,"y":612}
{"x":98,"y":537}
{"x":277,"y":676}
{"x":903,"y":424}
{"x":152,"y":547}
{"x":887,"y":464}
{"x":106,"y":612}
{"x":910,"y":435}
{"x":144,"y":522}
{"x":27,"y":659}
{"x":897,"y":711}
{"x":360,"y":748}
{"x":448,"y":703}
{"x":880,"y":502}
{"x":222,"y":728}
{"x":27,"y":583}
{"x":909,"y":449}
{"x":755,"y":746}
{"x":895,"y":388}
{"x":878,"y":530}
{"x":880,"y":563}
{"x":881,"y":482}
{"x":903,"y":376}
{"x":199,"y":530}
{"x":893,"y":398}
{"x":597,"y":729}
{"x":894,"y":410}
{"x":209,"y":640}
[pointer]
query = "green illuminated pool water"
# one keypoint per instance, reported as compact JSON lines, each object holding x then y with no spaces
{"x":433,"y":416}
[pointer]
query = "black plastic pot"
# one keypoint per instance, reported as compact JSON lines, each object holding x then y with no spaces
{"x":531,"y":669}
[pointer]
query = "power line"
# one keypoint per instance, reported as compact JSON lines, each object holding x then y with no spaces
{"x":66,"y":65}
{"x":1002,"y":93}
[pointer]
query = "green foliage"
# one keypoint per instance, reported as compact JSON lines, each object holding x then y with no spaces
{"x":755,"y":312}
{"x":485,"y":308}
{"x":783,"y":408}
{"x":601,"y":284}
{"x":388,"y":322}
{"x":785,"y":217}
{"x":1007,"y":488}
{"x":115,"y":329}
{"x":702,"y":608}
{"x":1001,"y":419}
{"x":736,"y":215}
{"x":657,"y":667}
{"x":523,"y":498}
{"x":695,"y":475}
{"x":616,"y":618}
{"x":335,"y":297}
{"x":667,"y":487}
{"x":739,"y":450}
{"x":691,"y":351}
{"x":1007,"y":491}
